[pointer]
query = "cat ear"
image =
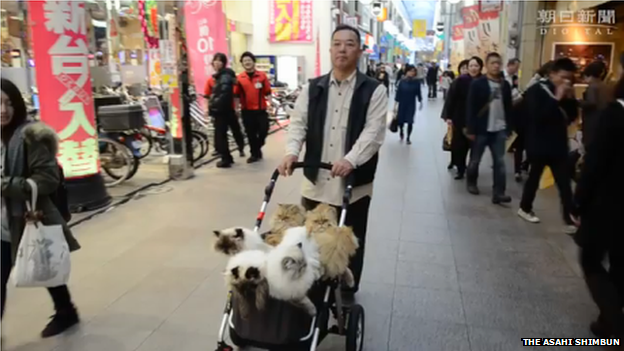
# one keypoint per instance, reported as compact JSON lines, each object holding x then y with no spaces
{"x":217,"y":233}
{"x":265,"y":234}
{"x":239,"y":233}
{"x":234,"y":272}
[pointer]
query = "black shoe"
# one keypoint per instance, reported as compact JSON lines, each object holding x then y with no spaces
{"x":518,"y":177}
{"x":241,"y":152}
{"x":459,"y":176}
{"x":473,"y":189}
{"x":501,"y":199}
{"x":401,"y":136}
{"x":450,"y":166}
{"x":409,"y":142}
{"x":253,"y":159}
{"x":60,"y":322}
{"x":224,"y":164}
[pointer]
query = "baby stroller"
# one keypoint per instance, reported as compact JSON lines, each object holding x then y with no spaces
{"x":280,"y":326}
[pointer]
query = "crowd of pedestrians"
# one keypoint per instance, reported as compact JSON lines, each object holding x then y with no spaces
{"x":486,"y":108}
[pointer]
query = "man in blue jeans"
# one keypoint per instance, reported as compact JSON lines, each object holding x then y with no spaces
{"x":488,"y":124}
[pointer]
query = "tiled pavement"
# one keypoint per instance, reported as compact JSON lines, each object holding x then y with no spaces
{"x":444,"y":270}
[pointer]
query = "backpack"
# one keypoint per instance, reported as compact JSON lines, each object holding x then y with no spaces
{"x":59,"y":197}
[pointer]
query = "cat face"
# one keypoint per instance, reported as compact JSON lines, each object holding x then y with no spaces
{"x":321,"y":219}
{"x":294,"y":263}
{"x":288,"y":215}
{"x":229,"y":241}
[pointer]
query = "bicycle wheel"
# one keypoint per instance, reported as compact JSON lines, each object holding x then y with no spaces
{"x":146,"y":143}
{"x":204,"y":140}
{"x":198,"y":148}
{"x":116,"y":161}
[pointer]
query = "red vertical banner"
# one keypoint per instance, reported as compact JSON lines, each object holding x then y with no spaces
{"x":472,"y":44}
{"x":59,"y":33}
{"x":206,"y":35}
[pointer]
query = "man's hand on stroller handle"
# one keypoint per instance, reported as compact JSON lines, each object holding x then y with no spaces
{"x":285,"y":168}
{"x":341,"y":168}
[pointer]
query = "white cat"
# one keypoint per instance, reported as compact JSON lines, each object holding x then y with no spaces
{"x":236,"y":239}
{"x":292,"y":268}
{"x":245,"y":276}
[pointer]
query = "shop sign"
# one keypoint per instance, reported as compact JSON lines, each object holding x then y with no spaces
{"x":59,"y":33}
{"x":205,"y":36}
{"x":154,"y":68}
{"x":419,"y":28}
{"x":169,"y":74}
{"x":585,"y":21}
{"x":176,"y":114}
{"x":490,"y":5}
{"x":290,"y":21}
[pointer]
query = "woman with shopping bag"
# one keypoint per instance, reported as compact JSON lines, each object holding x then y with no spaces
{"x":29,"y":168}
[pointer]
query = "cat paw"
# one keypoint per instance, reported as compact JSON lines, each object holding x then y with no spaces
{"x":348,"y":278}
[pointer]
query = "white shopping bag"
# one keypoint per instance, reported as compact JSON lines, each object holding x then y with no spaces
{"x":42,"y":258}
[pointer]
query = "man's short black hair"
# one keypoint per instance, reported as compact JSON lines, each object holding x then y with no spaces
{"x":492,"y":54}
{"x":513,"y":61}
{"x":564,"y":64}
{"x":595,"y":69}
{"x":248,"y":54}
{"x":342,"y":27}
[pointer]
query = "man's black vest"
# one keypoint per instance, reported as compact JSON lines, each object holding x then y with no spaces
{"x":317,"y":112}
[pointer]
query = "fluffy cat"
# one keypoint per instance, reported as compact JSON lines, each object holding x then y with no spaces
{"x":286,"y":216}
{"x":234,"y":240}
{"x":245,"y":276}
{"x":321,"y":218}
{"x":292,"y":268}
{"x":336,"y":246}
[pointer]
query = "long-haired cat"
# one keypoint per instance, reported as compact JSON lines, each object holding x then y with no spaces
{"x":233,"y":240}
{"x":286,"y":216}
{"x":292,"y":268}
{"x":321,"y":218}
{"x":336,"y":246}
{"x":245,"y":275}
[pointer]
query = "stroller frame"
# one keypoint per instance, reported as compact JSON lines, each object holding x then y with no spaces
{"x":352,"y":326}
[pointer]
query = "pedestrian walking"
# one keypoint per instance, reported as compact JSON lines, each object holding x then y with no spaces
{"x":220,"y":90}
{"x":551,"y":108}
{"x":595,"y":99}
{"x":488,"y":124}
{"x":252,"y":88}
{"x":432,"y":80}
{"x":598,"y":197}
{"x":454,"y":113}
{"x":518,"y":116}
{"x":29,"y":153}
{"x":341,"y":118}
{"x":405,"y":102}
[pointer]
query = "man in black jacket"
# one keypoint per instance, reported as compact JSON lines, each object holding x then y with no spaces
{"x":488,"y":124}
{"x":432,"y":80}
{"x":341,"y":119}
{"x":551,"y":108}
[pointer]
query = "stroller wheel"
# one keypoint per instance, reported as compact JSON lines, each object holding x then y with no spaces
{"x":355,"y":328}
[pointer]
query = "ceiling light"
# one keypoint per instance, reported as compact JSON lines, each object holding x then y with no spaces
{"x":453,"y":2}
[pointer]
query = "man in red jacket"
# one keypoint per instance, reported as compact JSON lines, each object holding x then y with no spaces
{"x":252,"y":89}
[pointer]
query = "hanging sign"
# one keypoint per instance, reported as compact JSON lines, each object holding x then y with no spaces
{"x":59,"y":34}
{"x":290,"y":21}
{"x":206,"y":35}
{"x":419,"y":28}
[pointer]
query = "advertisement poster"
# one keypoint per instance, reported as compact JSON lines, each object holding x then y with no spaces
{"x":470,"y":16}
{"x":206,"y":34}
{"x":457,"y":46}
{"x":290,"y":21}
{"x":59,"y":33}
{"x":154,"y":68}
{"x":419,"y":28}
{"x":489,"y":32}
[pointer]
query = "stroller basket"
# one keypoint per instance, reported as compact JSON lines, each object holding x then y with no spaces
{"x":284,"y":326}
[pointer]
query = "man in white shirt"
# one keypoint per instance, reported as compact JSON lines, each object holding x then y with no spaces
{"x":341,"y":118}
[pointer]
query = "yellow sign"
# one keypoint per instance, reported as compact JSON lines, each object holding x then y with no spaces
{"x":419,"y":28}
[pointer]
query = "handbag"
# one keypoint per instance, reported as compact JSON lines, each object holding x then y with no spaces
{"x":448,"y":138}
{"x":42,"y":258}
{"x":394,"y":125}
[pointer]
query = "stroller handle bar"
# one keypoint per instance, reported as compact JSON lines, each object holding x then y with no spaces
{"x":268,"y":190}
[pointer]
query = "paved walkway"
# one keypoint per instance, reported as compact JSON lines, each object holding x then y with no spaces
{"x":444,"y":270}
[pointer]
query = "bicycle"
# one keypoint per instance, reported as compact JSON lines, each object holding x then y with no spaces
{"x":114,"y":156}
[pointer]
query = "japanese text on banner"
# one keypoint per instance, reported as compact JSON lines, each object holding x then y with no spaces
{"x":291,"y":21}
{"x":60,"y":44}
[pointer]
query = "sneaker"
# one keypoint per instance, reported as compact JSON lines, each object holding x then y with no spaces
{"x":518,"y":177}
{"x":570,"y":229}
{"x":473,"y":189}
{"x":528,"y":216}
{"x":60,"y":322}
{"x":501,"y":199}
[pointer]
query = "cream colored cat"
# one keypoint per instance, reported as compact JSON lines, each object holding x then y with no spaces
{"x":286,"y":216}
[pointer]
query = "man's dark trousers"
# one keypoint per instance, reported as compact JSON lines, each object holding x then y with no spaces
{"x":496,"y":142}
{"x":223,"y":122}
{"x":433,"y":89}
{"x":357,"y":218}
{"x":560,"y":171}
{"x":256,"y":127}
